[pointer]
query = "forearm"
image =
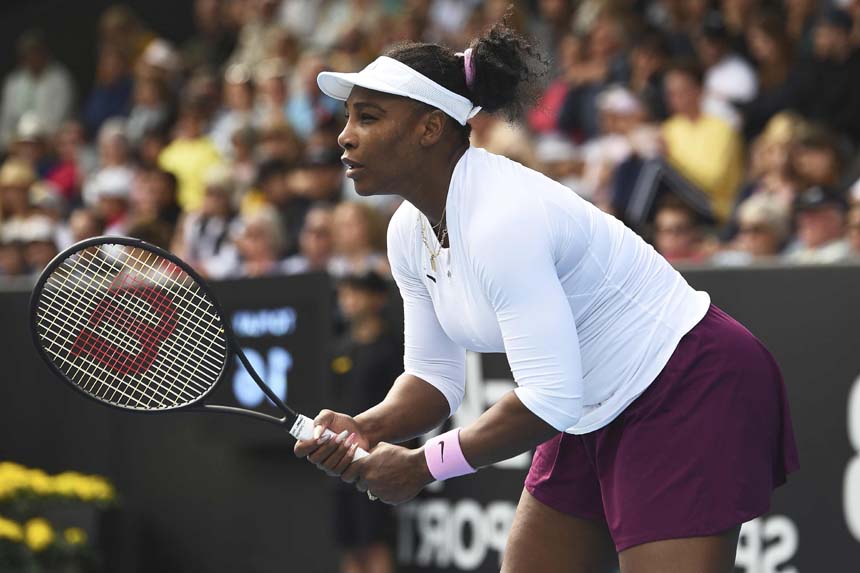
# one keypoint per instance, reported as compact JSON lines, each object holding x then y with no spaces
{"x":411,"y":408}
{"x":505,"y":430}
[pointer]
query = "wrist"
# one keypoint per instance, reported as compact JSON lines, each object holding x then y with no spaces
{"x":419,"y":462}
{"x":370,"y":428}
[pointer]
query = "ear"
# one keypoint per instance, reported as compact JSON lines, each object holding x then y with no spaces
{"x":432,"y":127}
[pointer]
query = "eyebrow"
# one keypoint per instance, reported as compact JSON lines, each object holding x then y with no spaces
{"x":363,"y":105}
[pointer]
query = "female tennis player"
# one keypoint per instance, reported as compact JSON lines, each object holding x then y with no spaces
{"x":661,"y":423}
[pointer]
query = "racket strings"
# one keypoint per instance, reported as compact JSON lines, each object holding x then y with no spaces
{"x":131,"y":328}
{"x":114,"y":331}
{"x":96,"y":371}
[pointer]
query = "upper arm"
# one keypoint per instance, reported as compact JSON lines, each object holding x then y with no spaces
{"x":516,"y":267}
{"x":429,"y":353}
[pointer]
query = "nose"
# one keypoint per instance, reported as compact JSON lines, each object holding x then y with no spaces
{"x":347,"y":139}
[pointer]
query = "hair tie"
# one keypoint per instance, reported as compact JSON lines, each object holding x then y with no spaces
{"x":469,"y":67}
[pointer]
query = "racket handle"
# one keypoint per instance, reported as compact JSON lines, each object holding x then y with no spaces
{"x":303,"y":429}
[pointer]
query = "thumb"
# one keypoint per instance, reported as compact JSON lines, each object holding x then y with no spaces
{"x":322,"y":421}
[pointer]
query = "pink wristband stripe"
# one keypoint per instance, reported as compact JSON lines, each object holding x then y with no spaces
{"x":445,"y":457}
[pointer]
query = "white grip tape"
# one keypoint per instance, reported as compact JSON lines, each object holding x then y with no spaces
{"x":303,"y":429}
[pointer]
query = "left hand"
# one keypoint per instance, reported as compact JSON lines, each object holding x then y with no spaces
{"x":392,"y":473}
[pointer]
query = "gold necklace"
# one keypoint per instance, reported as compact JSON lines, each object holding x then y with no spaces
{"x":433,"y":255}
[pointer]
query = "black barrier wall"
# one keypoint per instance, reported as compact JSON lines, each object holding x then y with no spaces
{"x":210,"y":494}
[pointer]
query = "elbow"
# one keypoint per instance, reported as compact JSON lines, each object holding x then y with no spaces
{"x":559,"y":411}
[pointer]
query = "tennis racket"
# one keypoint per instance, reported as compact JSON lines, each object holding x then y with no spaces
{"x":133,"y":327}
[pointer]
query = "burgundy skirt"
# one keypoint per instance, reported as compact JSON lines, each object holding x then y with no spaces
{"x":698,"y":453}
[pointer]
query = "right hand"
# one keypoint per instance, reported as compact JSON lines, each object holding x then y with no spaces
{"x":332,"y":455}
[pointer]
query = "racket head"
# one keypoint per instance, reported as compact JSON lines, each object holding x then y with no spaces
{"x":129,"y":325}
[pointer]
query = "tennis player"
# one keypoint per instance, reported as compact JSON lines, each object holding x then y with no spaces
{"x":661,"y":423}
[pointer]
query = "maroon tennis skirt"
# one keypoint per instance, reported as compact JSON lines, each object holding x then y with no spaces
{"x":699,"y":452}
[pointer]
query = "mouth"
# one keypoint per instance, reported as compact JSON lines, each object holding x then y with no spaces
{"x":352,"y":167}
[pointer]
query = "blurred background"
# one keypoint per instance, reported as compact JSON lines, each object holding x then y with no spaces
{"x":725,"y":132}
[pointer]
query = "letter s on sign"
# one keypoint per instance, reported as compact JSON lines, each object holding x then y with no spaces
{"x":851,"y":487}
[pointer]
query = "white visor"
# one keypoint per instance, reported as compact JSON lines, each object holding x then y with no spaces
{"x":389,"y":76}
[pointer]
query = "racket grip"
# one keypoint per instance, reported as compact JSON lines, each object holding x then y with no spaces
{"x":303,"y":429}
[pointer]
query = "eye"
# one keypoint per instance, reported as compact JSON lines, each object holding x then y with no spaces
{"x":367,"y":118}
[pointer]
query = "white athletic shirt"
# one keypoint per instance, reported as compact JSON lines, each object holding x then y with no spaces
{"x":587,"y":312}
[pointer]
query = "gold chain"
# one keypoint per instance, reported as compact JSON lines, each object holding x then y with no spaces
{"x":434,"y":255}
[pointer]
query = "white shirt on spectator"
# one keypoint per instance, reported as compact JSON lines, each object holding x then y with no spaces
{"x":587,"y":312}
{"x":49,"y":95}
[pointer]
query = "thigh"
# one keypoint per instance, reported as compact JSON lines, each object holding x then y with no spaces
{"x":711,"y":554}
{"x":546,"y":540}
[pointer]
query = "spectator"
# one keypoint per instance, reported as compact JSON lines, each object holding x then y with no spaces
{"x":601,"y":63}
{"x":111,"y":95}
{"x":39,"y":84}
{"x":83,"y":223}
{"x":800,"y":21}
{"x":203,"y":237}
{"x":274,"y":185}
{"x":113,"y":156}
{"x":281,"y":142}
{"x":119,"y":26}
{"x":704,"y":148}
{"x":772,"y":53}
{"x":649,"y":57}
{"x":238,"y":110}
{"x":154,"y":199}
{"x":820,"y":214}
{"x":190,"y":155}
{"x":271,"y":80}
{"x":259,"y":245}
{"x":550,"y":28}
{"x":815,"y":159}
{"x":769,"y":168}
{"x":212,"y":42}
{"x":74,"y":161}
{"x":308,"y":107}
{"x":764,"y":224}
{"x":624,"y":134}
{"x":367,"y":358}
{"x":31,"y":144}
{"x":828,"y":85}
{"x":39,"y":243}
{"x":259,"y":21}
{"x":359,"y":241}
{"x":16,"y":209}
{"x":108,"y":192}
{"x":12,"y":262}
{"x":150,"y":109}
{"x":315,"y":243}
{"x":543,"y":118}
{"x":729,"y":79}
{"x":677,"y":235}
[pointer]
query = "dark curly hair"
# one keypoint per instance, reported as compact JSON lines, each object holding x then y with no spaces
{"x":508,"y":69}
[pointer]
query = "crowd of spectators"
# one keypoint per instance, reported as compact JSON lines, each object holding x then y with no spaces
{"x":724,"y":131}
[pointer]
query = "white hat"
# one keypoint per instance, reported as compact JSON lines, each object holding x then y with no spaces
{"x":620,"y":100}
{"x":387,"y":75}
{"x":114,"y":182}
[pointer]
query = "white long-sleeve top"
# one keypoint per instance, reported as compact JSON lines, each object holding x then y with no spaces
{"x":586,"y":311}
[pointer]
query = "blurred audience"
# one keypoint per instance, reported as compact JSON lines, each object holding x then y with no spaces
{"x":696,"y":122}
{"x":820,"y":215}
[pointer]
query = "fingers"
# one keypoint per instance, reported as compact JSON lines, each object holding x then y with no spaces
{"x":335,"y":454}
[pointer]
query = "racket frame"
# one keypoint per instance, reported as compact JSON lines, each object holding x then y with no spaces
{"x":290,"y":419}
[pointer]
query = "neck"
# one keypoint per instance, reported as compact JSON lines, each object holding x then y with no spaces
{"x":430,"y":194}
{"x":366,"y":330}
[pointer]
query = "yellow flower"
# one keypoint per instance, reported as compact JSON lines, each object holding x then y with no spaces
{"x":10,"y":530}
{"x":38,"y":533}
{"x":75,"y":536}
